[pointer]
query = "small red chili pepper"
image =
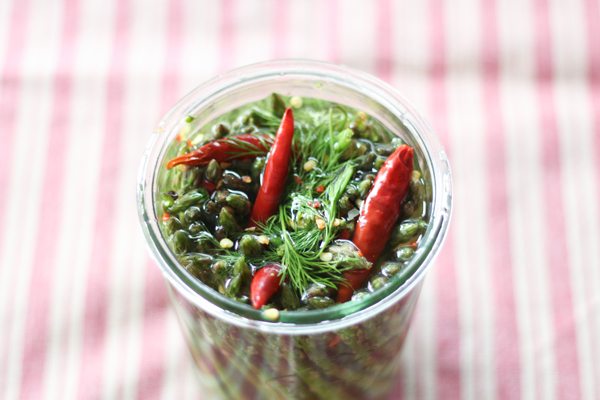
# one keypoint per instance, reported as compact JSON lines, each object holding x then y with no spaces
{"x":320,"y":189}
{"x":226,"y":149}
{"x":264,"y":285}
{"x":379,"y":214}
{"x":165,"y":217}
{"x":316,"y":204}
{"x":276,"y":171}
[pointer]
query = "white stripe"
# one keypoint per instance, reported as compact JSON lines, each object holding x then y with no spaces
{"x":533,"y":301}
{"x":590,"y":178}
{"x":307,"y":35}
{"x":26,"y":182}
{"x":528,"y":258}
{"x":5,"y":268}
{"x":357,"y":25}
{"x":126,"y":280}
{"x":579,"y":194}
{"x":427,"y":343}
{"x":80,"y":192}
{"x":252,"y":33}
{"x":408,"y":362}
{"x":471,"y":193}
{"x":6,"y":9}
{"x":174,"y":348}
{"x":420,"y":369}
{"x":420,"y":362}
{"x":477,"y":359}
{"x":200,"y":22}
{"x":191,"y":389}
{"x":132,"y":368}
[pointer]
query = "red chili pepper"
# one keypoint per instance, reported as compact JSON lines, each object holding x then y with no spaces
{"x":320,"y":189}
{"x":166,"y":216}
{"x":265,"y":284}
{"x":276,"y":171}
{"x":226,"y":149}
{"x":379,"y":214}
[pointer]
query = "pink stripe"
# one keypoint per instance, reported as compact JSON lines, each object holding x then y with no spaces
{"x":10,"y":97}
{"x":94,"y":330}
{"x":155,"y":297}
{"x":226,"y":28}
{"x":448,"y":345}
{"x":36,"y":332}
{"x":332,"y":30}
{"x":385,"y":54}
{"x":565,"y":339}
{"x":280,"y":24}
{"x":507,"y":346}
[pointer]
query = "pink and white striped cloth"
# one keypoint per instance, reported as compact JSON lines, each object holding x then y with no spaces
{"x":512,"y":87}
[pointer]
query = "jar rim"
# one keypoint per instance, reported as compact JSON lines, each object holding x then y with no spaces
{"x":307,"y":321}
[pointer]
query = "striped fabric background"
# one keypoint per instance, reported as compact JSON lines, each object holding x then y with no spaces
{"x":512,"y":87}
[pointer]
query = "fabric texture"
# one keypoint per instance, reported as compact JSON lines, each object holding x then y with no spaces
{"x":510,"y":310}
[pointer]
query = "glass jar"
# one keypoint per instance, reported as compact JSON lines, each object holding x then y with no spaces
{"x":349,"y":350}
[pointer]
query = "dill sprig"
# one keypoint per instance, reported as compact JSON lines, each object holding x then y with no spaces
{"x":303,"y":243}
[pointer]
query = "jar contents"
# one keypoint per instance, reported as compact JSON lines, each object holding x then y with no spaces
{"x":292,"y":203}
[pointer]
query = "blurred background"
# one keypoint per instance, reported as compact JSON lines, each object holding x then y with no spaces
{"x":512,"y":88}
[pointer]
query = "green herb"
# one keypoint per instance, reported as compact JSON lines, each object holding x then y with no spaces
{"x":304,"y":243}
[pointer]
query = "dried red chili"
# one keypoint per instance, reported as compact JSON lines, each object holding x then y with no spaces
{"x":276,"y":171}
{"x":379,"y":214}
{"x":232,"y":148}
{"x":265,"y":283}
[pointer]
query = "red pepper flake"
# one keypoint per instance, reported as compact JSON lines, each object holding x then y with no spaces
{"x":320,"y":189}
{"x":298,"y":180}
{"x":189,"y":143}
{"x":178,"y":137}
{"x":165,"y":217}
{"x":316,"y":204}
